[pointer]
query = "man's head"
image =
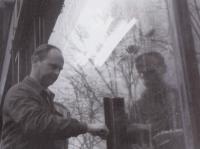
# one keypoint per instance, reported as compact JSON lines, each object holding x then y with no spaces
{"x":151,"y":66}
{"x":47,"y":62}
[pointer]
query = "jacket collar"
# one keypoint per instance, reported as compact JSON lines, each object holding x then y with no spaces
{"x":38,"y":88}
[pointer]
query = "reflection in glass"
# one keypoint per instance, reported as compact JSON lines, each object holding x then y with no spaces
{"x":121,"y":48}
{"x":157,"y":107}
{"x":194,"y":8}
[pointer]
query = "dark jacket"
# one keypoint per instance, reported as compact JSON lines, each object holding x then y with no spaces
{"x":62,"y":144}
{"x":30,"y":120}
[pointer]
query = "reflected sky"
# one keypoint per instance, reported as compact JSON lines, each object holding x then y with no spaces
{"x":90,"y":30}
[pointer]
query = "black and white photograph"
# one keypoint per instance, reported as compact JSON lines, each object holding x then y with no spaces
{"x":99,"y":74}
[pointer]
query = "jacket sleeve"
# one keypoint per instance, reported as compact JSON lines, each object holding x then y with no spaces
{"x":35,"y":120}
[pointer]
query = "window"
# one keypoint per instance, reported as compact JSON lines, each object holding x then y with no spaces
{"x":126,"y":48}
{"x":39,"y":29}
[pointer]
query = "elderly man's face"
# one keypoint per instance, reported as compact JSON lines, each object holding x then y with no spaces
{"x":49,"y":69}
{"x":151,"y":70}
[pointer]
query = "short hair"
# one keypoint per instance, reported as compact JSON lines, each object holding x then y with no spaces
{"x":42,"y":51}
{"x":150,"y":61}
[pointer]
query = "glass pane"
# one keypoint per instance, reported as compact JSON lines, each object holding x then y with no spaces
{"x":121,"y":48}
{"x":194,"y":8}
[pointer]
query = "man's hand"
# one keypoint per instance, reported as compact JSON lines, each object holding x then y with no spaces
{"x":98,"y":130}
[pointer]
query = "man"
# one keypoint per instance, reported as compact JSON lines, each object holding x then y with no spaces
{"x":30,"y":120}
{"x":158,"y":106}
{"x":61,"y":109}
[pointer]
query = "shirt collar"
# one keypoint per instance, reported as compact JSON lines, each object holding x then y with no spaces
{"x":37,"y":87}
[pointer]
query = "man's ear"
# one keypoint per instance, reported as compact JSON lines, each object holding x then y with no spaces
{"x":35,"y":59}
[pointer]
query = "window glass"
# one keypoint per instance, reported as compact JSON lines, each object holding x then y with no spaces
{"x":121,"y":48}
{"x":194,"y":8}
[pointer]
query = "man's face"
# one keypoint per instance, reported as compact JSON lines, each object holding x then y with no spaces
{"x":151,"y":70}
{"x":49,"y":68}
{"x":151,"y":77}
